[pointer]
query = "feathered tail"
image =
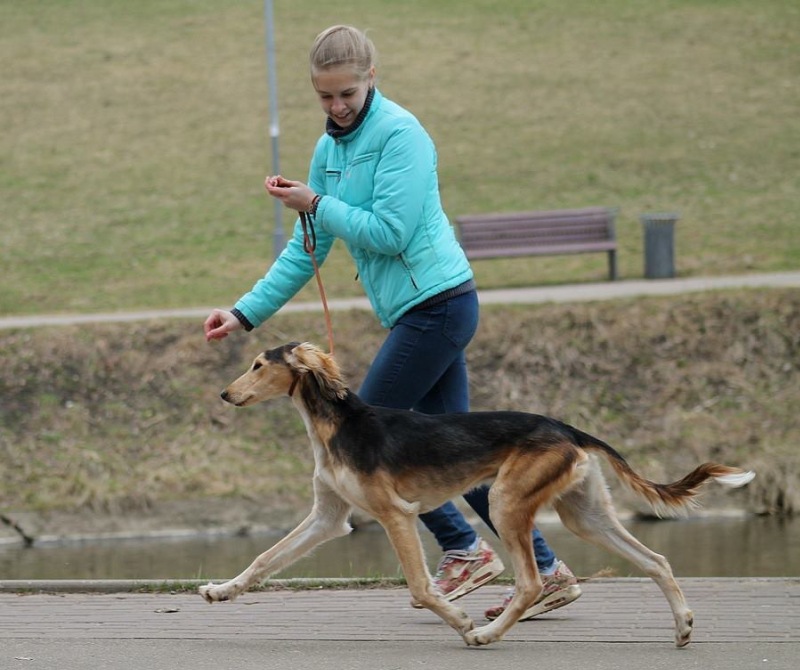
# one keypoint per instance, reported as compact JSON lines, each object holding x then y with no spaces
{"x":665,"y":499}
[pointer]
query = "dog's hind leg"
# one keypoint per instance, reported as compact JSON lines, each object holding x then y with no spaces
{"x":328,"y":519}
{"x":512,"y":512}
{"x":402,"y":531}
{"x":588,"y":512}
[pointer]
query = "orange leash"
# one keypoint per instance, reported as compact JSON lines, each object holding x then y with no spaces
{"x":310,"y":246}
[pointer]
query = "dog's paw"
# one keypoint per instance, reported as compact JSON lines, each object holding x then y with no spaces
{"x":214,"y":594}
{"x":479,"y":637}
{"x":683,"y":632}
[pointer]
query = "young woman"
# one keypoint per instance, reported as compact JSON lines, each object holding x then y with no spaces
{"x":373,"y":183}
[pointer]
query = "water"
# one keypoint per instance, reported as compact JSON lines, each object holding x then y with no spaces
{"x":703,"y":547}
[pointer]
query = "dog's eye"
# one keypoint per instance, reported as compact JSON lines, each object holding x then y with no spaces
{"x":257,"y":365}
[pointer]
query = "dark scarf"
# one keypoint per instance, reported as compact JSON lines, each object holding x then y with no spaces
{"x":336,"y":131}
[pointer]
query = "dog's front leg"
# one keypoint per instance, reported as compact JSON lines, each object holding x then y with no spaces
{"x":328,"y":519}
{"x":402,"y":531}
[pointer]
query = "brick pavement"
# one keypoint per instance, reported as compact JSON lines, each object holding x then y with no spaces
{"x":610,"y":611}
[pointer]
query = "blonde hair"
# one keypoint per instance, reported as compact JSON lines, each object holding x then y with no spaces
{"x":342,"y":45}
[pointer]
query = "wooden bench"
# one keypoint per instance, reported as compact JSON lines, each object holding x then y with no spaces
{"x":565,"y":231}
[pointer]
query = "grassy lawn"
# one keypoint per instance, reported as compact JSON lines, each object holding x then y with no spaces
{"x":136,"y":135}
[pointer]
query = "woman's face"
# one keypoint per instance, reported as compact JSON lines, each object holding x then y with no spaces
{"x":342,"y":93}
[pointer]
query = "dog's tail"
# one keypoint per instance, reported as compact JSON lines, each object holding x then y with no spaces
{"x":666,"y":499}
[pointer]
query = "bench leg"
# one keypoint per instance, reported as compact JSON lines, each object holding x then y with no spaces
{"x":612,"y":265}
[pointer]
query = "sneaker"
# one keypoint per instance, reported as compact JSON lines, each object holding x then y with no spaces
{"x":559,"y":589}
{"x":460,"y":572}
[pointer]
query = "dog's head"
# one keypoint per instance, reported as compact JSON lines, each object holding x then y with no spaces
{"x":278,"y":372}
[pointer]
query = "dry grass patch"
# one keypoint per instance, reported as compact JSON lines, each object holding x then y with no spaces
{"x":118,"y":418}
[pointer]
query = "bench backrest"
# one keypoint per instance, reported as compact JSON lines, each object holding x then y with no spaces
{"x":520,"y":233}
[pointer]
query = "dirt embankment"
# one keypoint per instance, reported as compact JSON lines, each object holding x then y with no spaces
{"x":120,"y":428}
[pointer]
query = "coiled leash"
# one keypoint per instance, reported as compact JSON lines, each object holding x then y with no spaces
{"x":310,"y":246}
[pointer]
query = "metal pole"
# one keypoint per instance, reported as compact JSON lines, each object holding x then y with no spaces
{"x":274,"y":129}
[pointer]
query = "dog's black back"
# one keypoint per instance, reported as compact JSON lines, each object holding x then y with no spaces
{"x":369,"y":437}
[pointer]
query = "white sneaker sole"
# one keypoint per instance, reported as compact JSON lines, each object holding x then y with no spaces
{"x":553,"y":602}
{"x":483,"y":576}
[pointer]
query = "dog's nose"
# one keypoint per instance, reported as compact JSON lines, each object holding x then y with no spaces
{"x":224,"y":394}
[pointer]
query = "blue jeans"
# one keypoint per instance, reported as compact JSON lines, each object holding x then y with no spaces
{"x":422,"y":366}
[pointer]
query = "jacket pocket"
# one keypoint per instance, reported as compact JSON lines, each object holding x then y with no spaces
{"x":363,"y":158}
{"x":409,"y":271}
{"x":332,"y":179}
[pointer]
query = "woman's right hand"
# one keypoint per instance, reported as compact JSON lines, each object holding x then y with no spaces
{"x":219,"y":323}
{"x":293,"y":194}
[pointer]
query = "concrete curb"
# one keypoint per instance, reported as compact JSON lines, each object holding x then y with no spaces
{"x":165,"y":585}
{"x":111,"y":586}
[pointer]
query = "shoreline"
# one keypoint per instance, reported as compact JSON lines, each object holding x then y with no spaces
{"x":148,"y":529}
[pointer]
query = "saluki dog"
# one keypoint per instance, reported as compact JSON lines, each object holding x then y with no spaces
{"x":396,"y":464}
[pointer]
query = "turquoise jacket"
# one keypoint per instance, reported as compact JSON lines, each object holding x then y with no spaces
{"x":380,"y":193}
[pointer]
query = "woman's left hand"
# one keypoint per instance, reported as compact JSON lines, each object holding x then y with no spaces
{"x":293,"y":194}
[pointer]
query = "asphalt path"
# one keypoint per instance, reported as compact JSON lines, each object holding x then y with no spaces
{"x":537,"y":294}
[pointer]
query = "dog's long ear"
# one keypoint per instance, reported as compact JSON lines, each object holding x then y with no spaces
{"x":306,"y":358}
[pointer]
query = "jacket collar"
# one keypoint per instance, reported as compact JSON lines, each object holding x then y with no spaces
{"x":338,"y":133}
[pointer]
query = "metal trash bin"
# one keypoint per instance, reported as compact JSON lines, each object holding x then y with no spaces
{"x":659,"y":245}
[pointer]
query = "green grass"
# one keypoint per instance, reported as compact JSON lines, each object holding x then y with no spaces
{"x":136,"y":135}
